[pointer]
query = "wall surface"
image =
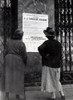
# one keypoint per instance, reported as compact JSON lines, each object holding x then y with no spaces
{"x":34,"y":66}
{"x":43,"y":7}
{"x":1,"y":21}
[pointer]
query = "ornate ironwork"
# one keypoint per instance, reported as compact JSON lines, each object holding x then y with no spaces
{"x":4,"y":3}
{"x":6,"y":21}
{"x":64,"y":28}
{"x":40,"y":5}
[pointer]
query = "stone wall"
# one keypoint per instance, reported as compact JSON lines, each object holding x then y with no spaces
{"x":29,"y":6}
{"x":34,"y":66}
{"x":42,"y":7}
{"x":1,"y":21}
{"x":1,"y":48}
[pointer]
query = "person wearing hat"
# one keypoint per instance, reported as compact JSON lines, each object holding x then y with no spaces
{"x":15,"y":62}
{"x":51,"y":52}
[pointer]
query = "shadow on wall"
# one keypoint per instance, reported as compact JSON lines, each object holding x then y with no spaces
{"x":33,"y":69}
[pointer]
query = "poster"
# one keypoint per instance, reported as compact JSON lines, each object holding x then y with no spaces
{"x":33,"y":26}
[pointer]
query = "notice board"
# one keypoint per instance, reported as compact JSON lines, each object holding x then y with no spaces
{"x":33,"y":26}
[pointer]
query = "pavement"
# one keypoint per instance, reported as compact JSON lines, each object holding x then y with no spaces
{"x":34,"y":93}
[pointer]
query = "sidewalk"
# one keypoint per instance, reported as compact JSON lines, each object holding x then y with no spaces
{"x":34,"y":93}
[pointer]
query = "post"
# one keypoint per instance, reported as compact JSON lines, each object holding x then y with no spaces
{"x":14,"y":13}
{"x":2,"y":91}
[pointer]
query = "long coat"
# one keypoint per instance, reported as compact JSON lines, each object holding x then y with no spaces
{"x":15,"y":61}
{"x":51,"y":52}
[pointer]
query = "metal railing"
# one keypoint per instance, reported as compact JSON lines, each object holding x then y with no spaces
{"x":64,"y":28}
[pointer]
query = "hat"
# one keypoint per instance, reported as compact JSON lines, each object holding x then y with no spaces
{"x":49,"y":32}
{"x":18,"y":32}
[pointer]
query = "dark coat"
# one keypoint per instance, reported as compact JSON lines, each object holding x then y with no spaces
{"x":51,"y":52}
{"x":15,"y":61}
{"x":16,"y":47}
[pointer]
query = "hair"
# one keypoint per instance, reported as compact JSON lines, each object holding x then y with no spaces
{"x":17,"y":35}
{"x":50,"y":37}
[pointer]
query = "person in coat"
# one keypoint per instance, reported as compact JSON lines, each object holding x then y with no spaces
{"x":15,"y":62}
{"x":51,"y":52}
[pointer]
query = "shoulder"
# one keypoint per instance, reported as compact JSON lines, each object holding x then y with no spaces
{"x":9,"y":41}
{"x":57,"y":42}
{"x":22,"y":45}
{"x":44,"y":43}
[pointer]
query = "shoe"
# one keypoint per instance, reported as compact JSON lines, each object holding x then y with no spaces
{"x":63,"y":97}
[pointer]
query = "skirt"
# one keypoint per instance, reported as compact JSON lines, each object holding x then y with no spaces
{"x":14,"y":74}
{"x":50,"y":79}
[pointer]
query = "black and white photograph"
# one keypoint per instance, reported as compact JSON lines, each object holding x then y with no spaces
{"x":36,"y":49}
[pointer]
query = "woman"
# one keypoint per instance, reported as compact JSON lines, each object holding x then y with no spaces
{"x":15,"y":62}
{"x":51,"y":52}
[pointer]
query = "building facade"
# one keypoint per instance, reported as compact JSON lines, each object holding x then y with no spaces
{"x":60,"y":18}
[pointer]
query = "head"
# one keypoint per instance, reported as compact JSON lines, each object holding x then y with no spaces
{"x":49,"y":32}
{"x":17,"y":34}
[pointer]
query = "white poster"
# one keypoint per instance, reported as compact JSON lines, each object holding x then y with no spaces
{"x":33,"y":26}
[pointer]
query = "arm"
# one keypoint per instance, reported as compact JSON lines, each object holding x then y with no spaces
{"x":23,"y":53}
{"x":43,"y":49}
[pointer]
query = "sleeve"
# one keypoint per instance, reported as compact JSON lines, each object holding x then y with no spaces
{"x":61,"y":56}
{"x":23,"y":53}
{"x":43,"y":49}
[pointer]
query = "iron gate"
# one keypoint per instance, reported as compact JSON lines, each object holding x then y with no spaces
{"x":64,"y":28}
{"x":8,"y":24}
{"x":8,"y":18}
